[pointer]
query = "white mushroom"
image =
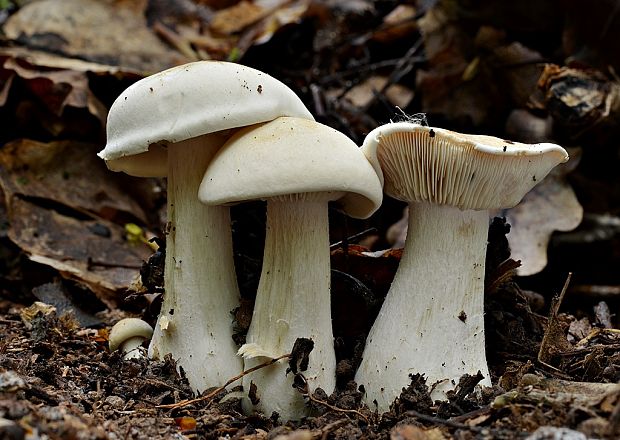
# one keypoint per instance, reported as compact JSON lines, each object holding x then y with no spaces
{"x":128,"y":335}
{"x":171,"y":124}
{"x":432,"y":320}
{"x":298,"y":166}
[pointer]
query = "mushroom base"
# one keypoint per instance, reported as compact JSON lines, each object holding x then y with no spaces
{"x":195,"y":324}
{"x":432,"y":320}
{"x":293,"y":301}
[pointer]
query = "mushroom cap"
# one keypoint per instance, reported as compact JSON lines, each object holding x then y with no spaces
{"x":426,"y":164}
{"x":126,"y":329}
{"x":189,"y":101}
{"x":291,"y":156}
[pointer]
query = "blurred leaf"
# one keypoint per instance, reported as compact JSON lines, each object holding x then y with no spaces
{"x":58,"y":88}
{"x":93,"y":30}
{"x":66,"y":173}
{"x":363,"y":94}
{"x":397,"y":24}
{"x":235,"y":18}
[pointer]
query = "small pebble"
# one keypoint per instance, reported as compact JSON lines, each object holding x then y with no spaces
{"x":115,"y":402}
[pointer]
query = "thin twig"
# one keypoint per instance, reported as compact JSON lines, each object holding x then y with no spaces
{"x":223,"y":387}
{"x":352,"y":238}
{"x":555,"y":307}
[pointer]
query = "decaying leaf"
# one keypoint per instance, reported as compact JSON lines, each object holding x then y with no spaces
{"x":397,"y":24}
{"x":92,"y":30}
{"x":236,"y":18}
{"x":550,"y":206}
{"x":579,"y":99}
{"x":363,"y":94}
{"x":453,"y":85}
{"x":27,"y":314}
{"x":58,"y":89}
{"x":66,"y":173}
{"x":518,"y":69}
{"x":286,"y":13}
{"x":46,"y":61}
{"x":70,"y":229}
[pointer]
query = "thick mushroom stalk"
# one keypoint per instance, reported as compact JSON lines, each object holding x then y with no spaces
{"x":292,"y":301}
{"x":153,"y":129}
{"x":297,"y":166}
{"x":440,"y":330}
{"x":432,"y":319}
{"x":195,"y":323}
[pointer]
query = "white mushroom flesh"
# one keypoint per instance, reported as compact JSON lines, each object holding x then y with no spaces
{"x":293,"y":301}
{"x":195,"y":323}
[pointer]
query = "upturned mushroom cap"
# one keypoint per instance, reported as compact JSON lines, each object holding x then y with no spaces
{"x":425,"y":164}
{"x":126,"y":329}
{"x":292,"y":156}
{"x":189,"y":101}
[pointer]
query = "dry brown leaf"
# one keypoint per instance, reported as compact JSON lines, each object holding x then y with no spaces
{"x":579,"y":99}
{"x":236,"y":18}
{"x":102,"y":31}
{"x":519,"y":68}
{"x":60,"y":200}
{"x":67,"y":173}
{"x":76,"y":248}
{"x":362,"y":94}
{"x":58,"y":89}
{"x":48,"y":60}
{"x":444,"y":87}
{"x":292,"y":12}
{"x":397,"y":24}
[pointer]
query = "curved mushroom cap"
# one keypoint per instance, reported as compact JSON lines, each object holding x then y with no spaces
{"x":292,"y":156}
{"x":426,"y":164}
{"x":189,"y":101}
{"x":126,"y":329}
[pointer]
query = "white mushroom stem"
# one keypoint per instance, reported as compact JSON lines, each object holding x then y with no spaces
{"x":132,"y":348}
{"x":432,"y":320}
{"x":195,"y":324}
{"x":293,"y":301}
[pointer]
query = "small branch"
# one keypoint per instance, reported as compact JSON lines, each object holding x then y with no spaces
{"x":223,"y":387}
{"x":543,"y":354}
